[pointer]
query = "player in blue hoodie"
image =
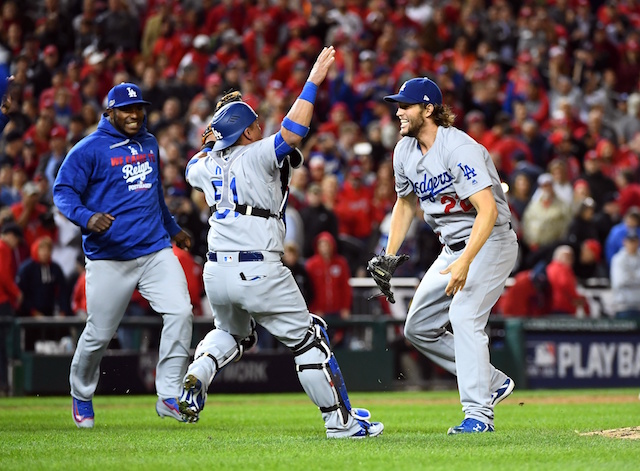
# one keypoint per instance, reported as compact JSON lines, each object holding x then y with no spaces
{"x":110,"y":185}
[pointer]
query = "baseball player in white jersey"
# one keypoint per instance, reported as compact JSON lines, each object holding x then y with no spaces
{"x":455,"y":182}
{"x":244,"y":179}
{"x":109,"y":184}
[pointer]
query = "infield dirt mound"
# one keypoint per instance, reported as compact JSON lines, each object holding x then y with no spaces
{"x":632,"y":433}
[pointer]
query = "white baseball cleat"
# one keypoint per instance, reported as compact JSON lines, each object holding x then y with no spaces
{"x":365,"y":429}
{"x":169,"y":408}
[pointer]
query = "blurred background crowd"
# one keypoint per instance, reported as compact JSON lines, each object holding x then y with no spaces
{"x":550,"y":87}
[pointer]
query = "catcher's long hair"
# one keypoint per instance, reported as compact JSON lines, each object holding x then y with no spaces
{"x":443,"y":116}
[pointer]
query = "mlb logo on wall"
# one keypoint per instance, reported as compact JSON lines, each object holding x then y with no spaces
{"x":541,"y":359}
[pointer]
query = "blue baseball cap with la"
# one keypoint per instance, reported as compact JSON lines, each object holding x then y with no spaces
{"x":125,"y":94}
{"x":417,"y":90}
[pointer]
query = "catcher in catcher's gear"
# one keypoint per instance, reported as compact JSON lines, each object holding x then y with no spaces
{"x":382,"y":268}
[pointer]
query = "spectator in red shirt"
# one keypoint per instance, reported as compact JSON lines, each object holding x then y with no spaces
{"x":354,"y":206}
{"x":39,"y":133}
{"x":329,"y":273}
{"x":30,"y":215}
{"x":10,"y":294}
{"x":564,"y":296}
{"x":628,"y":191}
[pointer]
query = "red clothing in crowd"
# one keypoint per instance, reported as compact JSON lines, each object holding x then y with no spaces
{"x":354,"y":209}
{"x":330,"y":280}
{"x":34,"y":227}
{"x":564,"y":296}
{"x":79,"y":295}
{"x":522,"y":299}
{"x":193,"y":273}
{"x":9,"y":290}
{"x":629,"y":196}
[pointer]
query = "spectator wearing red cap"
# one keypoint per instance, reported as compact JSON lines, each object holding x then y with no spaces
{"x":589,"y":261}
{"x":44,"y":69}
{"x":329,"y":273}
{"x":599,"y":184}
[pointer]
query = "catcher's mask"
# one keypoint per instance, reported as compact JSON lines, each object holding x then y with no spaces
{"x":230,"y":121}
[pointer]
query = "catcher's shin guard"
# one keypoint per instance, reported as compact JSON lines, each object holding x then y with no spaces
{"x":215,"y":351}
{"x":319,"y":372}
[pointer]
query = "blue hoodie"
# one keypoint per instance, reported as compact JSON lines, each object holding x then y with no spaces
{"x":109,"y":172}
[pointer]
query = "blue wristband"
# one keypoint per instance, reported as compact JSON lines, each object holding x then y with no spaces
{"x":309,"y":92}
{"x":294,"y":127}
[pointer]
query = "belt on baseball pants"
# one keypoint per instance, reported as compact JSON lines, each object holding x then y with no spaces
{"x":242,"y":256}
{"x":463,"y":243}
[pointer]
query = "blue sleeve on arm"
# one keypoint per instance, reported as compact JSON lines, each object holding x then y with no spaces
{"x":70,"y":184}
{"x":282,"y":148}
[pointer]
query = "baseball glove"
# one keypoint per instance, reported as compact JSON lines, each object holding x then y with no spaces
{"x":229,"y":97}
{"x":381,"y":268}
{"x":208,"y":139}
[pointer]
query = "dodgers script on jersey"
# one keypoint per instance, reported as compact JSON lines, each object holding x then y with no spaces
{"x":243,"y":175}
{"x":453,"y":169}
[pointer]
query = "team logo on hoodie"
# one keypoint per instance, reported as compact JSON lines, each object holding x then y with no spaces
{"x":136,"y":174}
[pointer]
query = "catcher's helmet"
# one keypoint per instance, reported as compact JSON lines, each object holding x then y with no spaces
{"x":230,"y":121}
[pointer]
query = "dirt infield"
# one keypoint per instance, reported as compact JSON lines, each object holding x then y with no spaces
{"x":631,"y":433}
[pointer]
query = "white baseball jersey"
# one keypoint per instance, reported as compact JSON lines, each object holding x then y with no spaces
{"x":243,"y":175}
{"x":453,"y":169}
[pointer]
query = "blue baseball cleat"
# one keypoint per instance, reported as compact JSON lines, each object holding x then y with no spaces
{"x":470,"y":425}
{"x":503,"y":391}
{"x":192,"y":399}
{"x":169,"y":408}
{"x":82,"y":412}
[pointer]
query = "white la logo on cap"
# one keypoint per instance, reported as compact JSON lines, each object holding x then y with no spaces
{"x":132,"y":93}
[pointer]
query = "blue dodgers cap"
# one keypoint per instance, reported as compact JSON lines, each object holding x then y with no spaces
{"x":125,"y":94}
{"x":230,"y":121}
{"x":417,"y":90}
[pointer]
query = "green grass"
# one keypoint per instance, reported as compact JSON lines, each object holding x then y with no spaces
{"x":534,"y":430}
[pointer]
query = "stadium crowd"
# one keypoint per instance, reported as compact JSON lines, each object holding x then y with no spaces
{"x":551,"y":88}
